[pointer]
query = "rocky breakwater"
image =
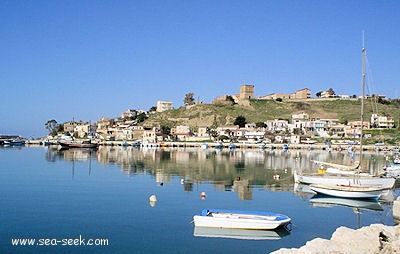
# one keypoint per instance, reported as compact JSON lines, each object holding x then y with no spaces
{"x":376,"y":238}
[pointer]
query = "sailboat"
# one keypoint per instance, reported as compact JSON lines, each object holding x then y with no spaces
{"x":348,"y":175}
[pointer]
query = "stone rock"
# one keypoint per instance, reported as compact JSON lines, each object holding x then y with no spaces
{"x":376,"y":238}
{"x":396,"y":210}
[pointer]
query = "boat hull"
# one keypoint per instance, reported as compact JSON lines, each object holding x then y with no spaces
{"x":357,"y":192}
{"x":384,"y":182}
{"x":240,"y":219}
{"x":78,"y":145}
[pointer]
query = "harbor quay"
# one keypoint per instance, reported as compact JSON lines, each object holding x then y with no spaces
{"x":239,"y":145}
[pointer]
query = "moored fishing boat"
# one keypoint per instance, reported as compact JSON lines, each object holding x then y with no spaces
{"x":78,"y":144}
{"x":14,"y":142}
{"x":216,"y":218}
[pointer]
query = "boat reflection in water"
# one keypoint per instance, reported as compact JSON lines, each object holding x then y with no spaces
{"x":321,"y":200}
{"x":356,"y":204}
{"x":242,"y":234}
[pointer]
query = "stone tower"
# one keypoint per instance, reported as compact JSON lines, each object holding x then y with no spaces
{"x":246,"y":92}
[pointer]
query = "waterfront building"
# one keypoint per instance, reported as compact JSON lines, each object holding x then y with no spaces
{"x":382,"y":121}
{"x":181,"y":132}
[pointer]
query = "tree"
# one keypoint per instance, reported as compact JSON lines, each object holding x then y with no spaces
{"x":240,"y":120}
{"x":189,"y":99}
{"x":260,"y":125}
{"x":51,"y":126}
{"x":318,"y":94}
{"x":213,"y":133}
{"x":331,"y":92}
{"x":141,"y":117}
{"x":165,"y":131}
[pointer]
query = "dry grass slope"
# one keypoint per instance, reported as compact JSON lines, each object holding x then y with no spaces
{"x":263,"y":110}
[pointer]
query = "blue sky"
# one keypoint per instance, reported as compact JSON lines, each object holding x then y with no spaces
{"x":88,"y":59}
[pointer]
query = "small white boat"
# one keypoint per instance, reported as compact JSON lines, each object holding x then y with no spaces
{"x":393,"y":170}
{"x":77,"y":144}
{"x":204,"y":146}
{"x":216,"y":218}
{"x":241,"y":234}
{"x":362,"y":179}
{"x":14,"y":142}
{"x":349,"y":191}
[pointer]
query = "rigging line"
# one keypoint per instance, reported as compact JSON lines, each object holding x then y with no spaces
{"x":369,"y":84}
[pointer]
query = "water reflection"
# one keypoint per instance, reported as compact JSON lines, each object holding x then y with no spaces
{"x":241,"y":233}
{"x":239,"y":171}
{"x":358,"y":206}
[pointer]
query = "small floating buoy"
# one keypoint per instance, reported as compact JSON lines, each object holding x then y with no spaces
{"x":203,"y":195}
{"x":153,"y":198}
{"x":161,"y":184}
{"x":182,"y":181}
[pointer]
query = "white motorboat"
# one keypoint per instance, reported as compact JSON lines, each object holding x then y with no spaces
{"x":216,"y":218}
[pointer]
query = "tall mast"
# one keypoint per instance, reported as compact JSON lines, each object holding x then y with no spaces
{"x":363,"y":55}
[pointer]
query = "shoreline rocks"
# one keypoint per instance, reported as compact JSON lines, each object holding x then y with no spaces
{"x":396,"y":210}
{"x":376,"y":238}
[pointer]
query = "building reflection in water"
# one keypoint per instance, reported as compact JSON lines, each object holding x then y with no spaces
{"x":239,"y":171}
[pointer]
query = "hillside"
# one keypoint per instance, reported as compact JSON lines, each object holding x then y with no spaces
{"x":262,"y":110}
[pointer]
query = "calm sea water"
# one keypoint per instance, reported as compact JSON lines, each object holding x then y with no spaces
{"x":68,"y":197}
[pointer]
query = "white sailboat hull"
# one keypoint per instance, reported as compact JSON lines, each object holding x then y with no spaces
{"x":364,"y":180}
{"x":358,"y":192}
